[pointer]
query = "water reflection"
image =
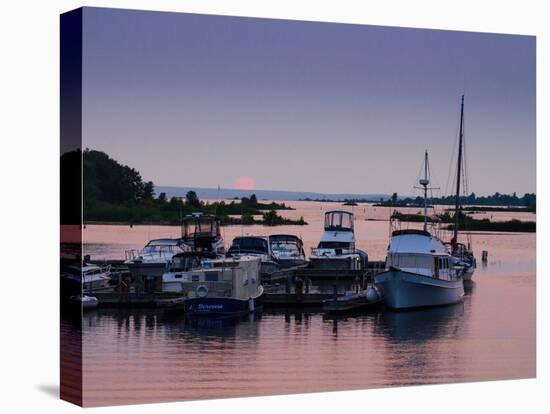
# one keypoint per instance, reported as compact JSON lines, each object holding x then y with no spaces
{"x":469,"y":287}
{"x":420,"y":326}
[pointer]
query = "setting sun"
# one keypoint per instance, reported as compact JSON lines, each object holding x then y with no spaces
{"x":245,"y":183}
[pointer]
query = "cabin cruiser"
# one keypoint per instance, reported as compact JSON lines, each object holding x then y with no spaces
{"x":224,"y":286}
{"x":202,"y":233}
{"x":336,"y":250}
{"x":287,"y":249}
{"x":87,"y":278}
{"x":180,"y":266}
{"x":153,"y":260}
{"x":419,"y":271}
{"x":259,"y":247}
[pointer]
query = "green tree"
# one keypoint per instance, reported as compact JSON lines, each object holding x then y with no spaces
{"x":192,"y":199}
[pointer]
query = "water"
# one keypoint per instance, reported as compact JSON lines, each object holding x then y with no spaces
{"x":137,"y":356}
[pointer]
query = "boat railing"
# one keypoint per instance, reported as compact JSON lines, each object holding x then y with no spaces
{"x":329,"y":251}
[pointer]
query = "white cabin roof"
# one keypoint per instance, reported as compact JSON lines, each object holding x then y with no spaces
{"x":416,"y":244}
{"x":338,"y":236}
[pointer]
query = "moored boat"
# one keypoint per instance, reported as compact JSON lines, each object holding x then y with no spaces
{"x":462,"y":254}
{"x":336,"y":250}
{"x":420,"y":271}
{"x":180,"y":266}
{"x":202,"y":233}
{"x":224,"y":286}
{"x":153,"y":260}
{"x":255,"y":246}
{"x":87,"y":277}
{"x":369,"y":297}
{"x":287,"y":249}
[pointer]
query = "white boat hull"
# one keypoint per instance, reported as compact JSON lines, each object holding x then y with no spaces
{"x":404,"y":290}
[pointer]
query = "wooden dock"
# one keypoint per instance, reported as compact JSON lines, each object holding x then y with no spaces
{"x":298,"y":287}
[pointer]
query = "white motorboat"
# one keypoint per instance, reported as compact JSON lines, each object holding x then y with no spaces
{"x":256,"y":246}
{"x":287,"y":249}
{"x":180,"y":266}
{"x":419,"y":271}
{"x":153,"y":260}
{"x":88,"y":277}
{"x":337,"y":250}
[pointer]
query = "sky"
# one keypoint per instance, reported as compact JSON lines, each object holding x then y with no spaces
{"x":207,"y":101}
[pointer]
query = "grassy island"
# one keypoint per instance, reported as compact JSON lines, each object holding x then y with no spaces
{"x":467,"y":223}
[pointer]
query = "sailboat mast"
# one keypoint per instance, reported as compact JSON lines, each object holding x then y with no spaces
{"x":424,"y":183}
{"x":458,"y":172}
{"x":426,"y":191}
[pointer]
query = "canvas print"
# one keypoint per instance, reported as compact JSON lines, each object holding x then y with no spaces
{"x":260,"y":206}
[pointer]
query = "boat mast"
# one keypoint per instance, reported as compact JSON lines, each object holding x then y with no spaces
{"x":458,"y":173}
{"x":424,"y":183}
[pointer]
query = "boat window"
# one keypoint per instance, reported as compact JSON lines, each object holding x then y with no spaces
{"x":338,"y":220}
{"x":211,"y":276}
{"x":195,"y":278}
{"x":201,"y":227}
{"x":334,"y":245}
{"x":249,"y":244}
{"x":285,"y":246}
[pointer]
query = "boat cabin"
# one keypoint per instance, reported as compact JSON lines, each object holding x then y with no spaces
{"x":339,"y":221}
{"x":229,"y":277}
{"x":162,"y":247}
{"x":201,"y":231}
{"x":417,"y":251}
{"x":249,"y":245}
{"x":286,"y":245}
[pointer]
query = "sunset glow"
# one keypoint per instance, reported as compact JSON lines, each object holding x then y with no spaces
{"x":245,"y":183}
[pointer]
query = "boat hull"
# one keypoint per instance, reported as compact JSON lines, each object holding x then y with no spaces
{"x":212,"y":306}
{"x":335,"y":263}
{"x":404,"y":290}
{"x":468,"y":273}
{"x":150,"y":269}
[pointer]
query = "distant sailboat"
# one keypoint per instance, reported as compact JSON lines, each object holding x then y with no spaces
{"x":462,"y":254}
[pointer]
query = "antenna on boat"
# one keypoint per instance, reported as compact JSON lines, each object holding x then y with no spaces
{"x":424,"y":183}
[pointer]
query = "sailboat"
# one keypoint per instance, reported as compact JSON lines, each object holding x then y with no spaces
{"x":462,"y":254}
{"x":420,"y":271}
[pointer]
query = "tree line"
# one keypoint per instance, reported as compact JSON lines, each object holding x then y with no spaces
{"x":113,"y":192}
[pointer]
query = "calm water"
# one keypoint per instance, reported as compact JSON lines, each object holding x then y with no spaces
{"x":135,"y":356}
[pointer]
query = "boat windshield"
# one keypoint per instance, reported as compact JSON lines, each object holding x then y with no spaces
{"x":200,"y":226}
{"x":162,"y":248}
{"x":333,"y":245}
{"x":339,"y":221}
{"x":249,"y":245}
{"x":285,"y":244}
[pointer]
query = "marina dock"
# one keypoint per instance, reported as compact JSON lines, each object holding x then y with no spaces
{"x":299,"y":287}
